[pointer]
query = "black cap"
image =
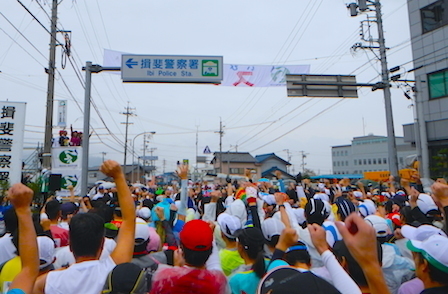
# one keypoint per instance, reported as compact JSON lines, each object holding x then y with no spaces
{"x":289,"y":280}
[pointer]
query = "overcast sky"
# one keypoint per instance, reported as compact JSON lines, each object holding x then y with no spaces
{"x":258,"y":32}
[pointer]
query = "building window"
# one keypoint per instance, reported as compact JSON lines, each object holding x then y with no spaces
{"x":342,"y":163}
{"x":374,"y":161}
{"x":434,"y":16}
{"x":92,"y":175}
{"x":370,"y":161}
{"x":384,"y":160}
{"x":237,"y":171}
{"x":364,"y":161}
{"x":346,"y":153}
{"x":438,"y":84}
{"x":346,"y":163}
{"x":334,"y":163}
{"x":379,"y":160}
{"x":355,"y":161}
{"x":360,"y":162}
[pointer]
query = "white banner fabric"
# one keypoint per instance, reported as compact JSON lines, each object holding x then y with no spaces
{"x":236,"y":75}
{"x":69,"y":177}
{"x":66,"y":158}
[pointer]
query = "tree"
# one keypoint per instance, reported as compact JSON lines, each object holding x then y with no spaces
{"x":440,"y":161}
{"x":308,"y":173}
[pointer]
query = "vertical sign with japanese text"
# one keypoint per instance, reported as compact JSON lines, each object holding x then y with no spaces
{"x":62,"y":113}
{"x":12,"y":128}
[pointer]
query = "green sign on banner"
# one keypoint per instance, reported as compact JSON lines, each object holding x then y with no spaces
{"x":68,"y":156}
{"x":69,"y":180}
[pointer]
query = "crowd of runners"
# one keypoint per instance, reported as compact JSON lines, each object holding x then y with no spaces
{"x":240,"y":237}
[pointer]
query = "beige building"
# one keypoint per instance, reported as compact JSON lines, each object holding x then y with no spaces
{"x":235,"y":163}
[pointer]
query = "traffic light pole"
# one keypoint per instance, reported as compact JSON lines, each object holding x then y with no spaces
{"x":89,"y":68}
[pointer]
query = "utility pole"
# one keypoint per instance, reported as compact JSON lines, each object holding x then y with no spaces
{"x":128,"y":113}
{"x":422,"y":134}
{"x":196,"y":166}
{"x":144,"y":155}
{"x":50,"y":88}
{"x":221,"y":134}
{"x":289,"y":158}
{"x":303,"y":160}
{"x":392,"y":145}
{"x":151,"y":150}
{"x":103,"y":153}
{"x":362,"y":6}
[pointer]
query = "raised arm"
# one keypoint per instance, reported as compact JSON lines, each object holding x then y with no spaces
{"x":125,"y":239}
{"x":361,"y":242}
{"x":72,"y":193}
{"x":182,"y":172}
{"x":280,"y":200}
{"x":21,"y":197}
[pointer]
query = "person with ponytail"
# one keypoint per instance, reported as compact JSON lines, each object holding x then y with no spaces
{"x":250,"y":246}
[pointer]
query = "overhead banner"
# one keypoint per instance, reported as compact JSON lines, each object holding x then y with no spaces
{"x":66,"y":158}
{"x":12,"y":128}
{"x":235,"y":75}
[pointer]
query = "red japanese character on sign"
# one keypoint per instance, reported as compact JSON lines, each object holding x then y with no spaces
{"x":241,"y":75}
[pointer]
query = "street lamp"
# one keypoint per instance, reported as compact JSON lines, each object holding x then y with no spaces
{"x":133,"y":147}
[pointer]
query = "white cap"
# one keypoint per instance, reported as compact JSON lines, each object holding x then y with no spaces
{"x":367,"y":207}
{"x":238,"y":209}
{"x":300,"y":215}
{"x":144,"y":213}
{"x":229,"y":224}
{"x":141,"y":231}
{"x":426,"y":203}
{"x":322,"y":196}
{"x":421,"y":233}
{"x":357,"y":194}
{"x":271,"y":227}
{"x":434,"y":250}
{"x":46,"y":250}
{"x":269,"y":199}
{"x":379,"y":224}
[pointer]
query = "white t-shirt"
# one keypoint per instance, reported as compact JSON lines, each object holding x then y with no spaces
{"x":7,"y":248}
{"x":83,"y":277}
{"x":64,"y":257}
{"x":64,"y":225}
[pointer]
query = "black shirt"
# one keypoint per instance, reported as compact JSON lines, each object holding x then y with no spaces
{"x":437,"y":290}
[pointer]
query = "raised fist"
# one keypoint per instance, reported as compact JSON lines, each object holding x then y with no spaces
{"x":111,"y":168}
{"x":20,"y":196}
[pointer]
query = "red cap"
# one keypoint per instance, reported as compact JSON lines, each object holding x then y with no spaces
{"x":196,"y":235}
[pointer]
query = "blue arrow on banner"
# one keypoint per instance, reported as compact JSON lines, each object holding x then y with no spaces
{"x":130,"y":63}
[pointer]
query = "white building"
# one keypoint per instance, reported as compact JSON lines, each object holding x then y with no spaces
{"x":428,"y":21}
{"x":368,"y":153}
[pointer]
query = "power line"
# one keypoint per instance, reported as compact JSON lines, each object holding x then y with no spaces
{"x":22,"y":47}
{"x":35,"y":18}
{"x":302,"y":124}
